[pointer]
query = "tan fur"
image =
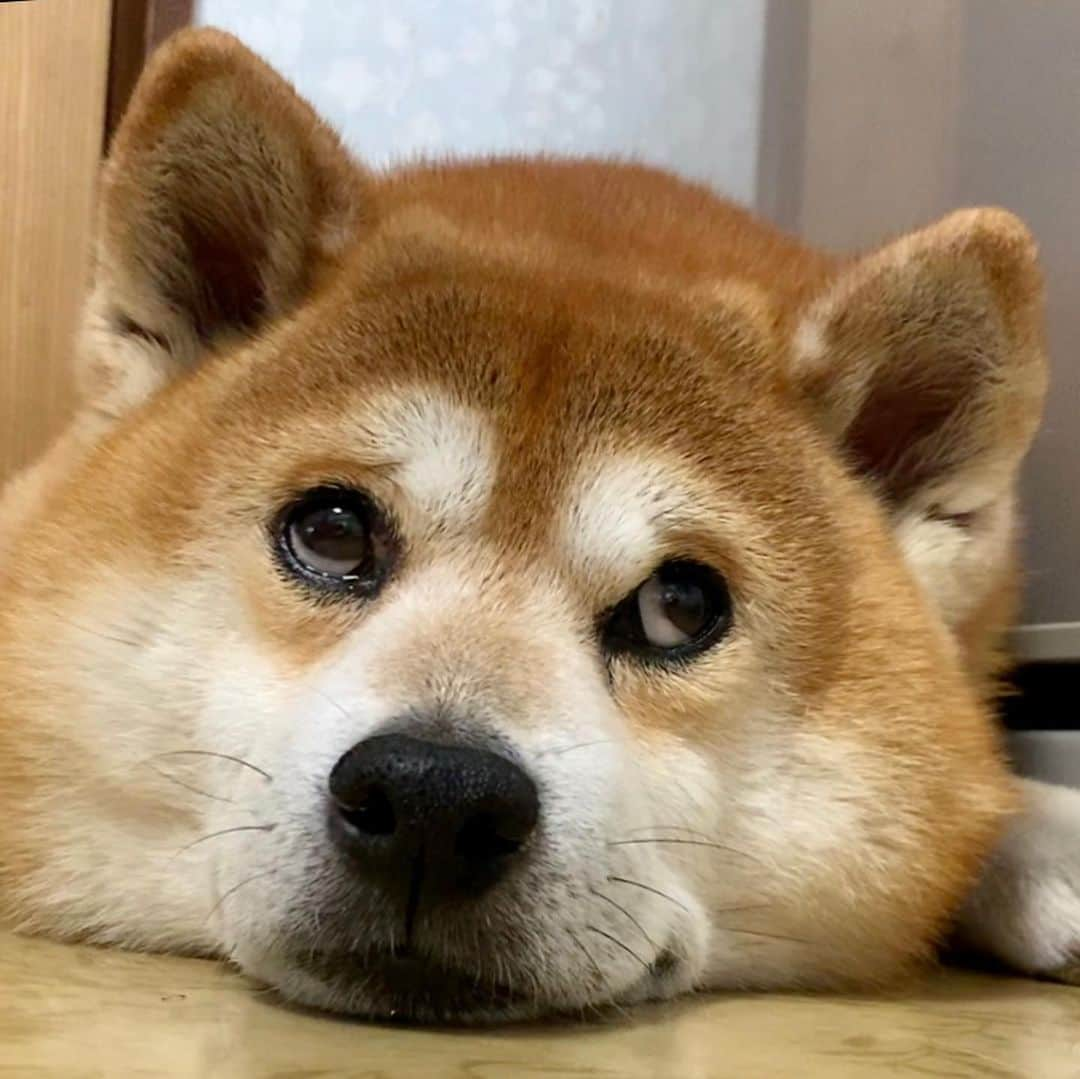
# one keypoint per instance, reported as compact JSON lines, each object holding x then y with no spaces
{"x":262,"y":305}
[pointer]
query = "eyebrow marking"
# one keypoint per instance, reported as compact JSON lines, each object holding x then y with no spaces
{"x":440,"y":452}
{"x":617,"y":512}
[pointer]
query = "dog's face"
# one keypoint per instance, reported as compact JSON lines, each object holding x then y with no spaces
{"x":440,"y":619}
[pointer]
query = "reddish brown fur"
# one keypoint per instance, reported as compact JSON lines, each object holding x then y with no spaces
{"x":585,"y":307}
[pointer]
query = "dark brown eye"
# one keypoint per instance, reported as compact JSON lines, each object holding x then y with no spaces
{"x":337,"y":537}
{"x":681,"y":609}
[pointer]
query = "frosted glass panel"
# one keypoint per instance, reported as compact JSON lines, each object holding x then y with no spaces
{"x":673,"y":83}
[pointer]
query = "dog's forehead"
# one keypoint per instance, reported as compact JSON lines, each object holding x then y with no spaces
{"x":590,"y":418}
{"x":555,"y":369}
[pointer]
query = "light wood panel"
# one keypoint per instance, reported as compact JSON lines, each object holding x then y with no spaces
{"x":80,"y":1012}
{"x":53,"y":63}
{"x":138,"y":27}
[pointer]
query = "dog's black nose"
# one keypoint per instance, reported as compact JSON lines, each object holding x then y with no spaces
{"x":430,"y":820}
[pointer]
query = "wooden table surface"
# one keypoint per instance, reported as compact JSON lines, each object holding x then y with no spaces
{"x":72,"y":1011}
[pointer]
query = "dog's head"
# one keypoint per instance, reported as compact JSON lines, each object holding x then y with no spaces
{"x":497,"y":589}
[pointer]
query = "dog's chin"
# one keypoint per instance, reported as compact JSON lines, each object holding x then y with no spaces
{"x":400,"y":987}
{"x":406,"y":987}
{"x":409,"y":987}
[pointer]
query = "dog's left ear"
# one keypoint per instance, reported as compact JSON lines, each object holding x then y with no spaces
{"x":223,"y":199}
{"x":924,"y":361}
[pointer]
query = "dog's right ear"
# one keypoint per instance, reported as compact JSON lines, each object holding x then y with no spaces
{"x":223,"y":201}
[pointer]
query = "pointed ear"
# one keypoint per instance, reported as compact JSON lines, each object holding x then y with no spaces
{"x":925,"y":361}
{"x":223,"y":199}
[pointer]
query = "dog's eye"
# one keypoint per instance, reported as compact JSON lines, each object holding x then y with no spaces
{"x":681,"y":609}
{"x":336,"y":536}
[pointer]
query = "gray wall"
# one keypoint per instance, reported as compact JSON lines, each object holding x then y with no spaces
{"x":1018,"y":143}
{"x":891,"y":120}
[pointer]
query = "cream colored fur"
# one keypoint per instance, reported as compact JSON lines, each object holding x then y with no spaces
{"x":557,"y":375}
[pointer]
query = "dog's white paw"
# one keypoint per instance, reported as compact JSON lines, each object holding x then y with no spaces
{"x":1026,"y":909}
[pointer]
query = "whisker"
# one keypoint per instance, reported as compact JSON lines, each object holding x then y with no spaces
{"x":588,"y":955}
{"x":187,"y":786}
{"x":235,"y":888}
{"x":761,"y":933}
{"x":579,"y":745}
{"x":226,"y":831}
{"x":333,"y":704}
{"x":211,"y":753}
{"x":619,"y":944}
{"x":127,"y":641}
{"x":619,"y":907}
{"x":686,"y":843}
{"x":649,"y":888}
{"x":668,"y":828}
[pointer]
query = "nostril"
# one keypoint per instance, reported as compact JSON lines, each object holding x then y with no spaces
{"x":414,"y":815}
{"x":369,"y":811}
{"x":484,"y":837}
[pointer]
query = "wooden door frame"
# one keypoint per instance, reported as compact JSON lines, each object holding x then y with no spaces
{"x":53,"y":79}
{"x":138,"y":27}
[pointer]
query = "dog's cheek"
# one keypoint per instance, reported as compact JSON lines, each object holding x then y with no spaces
{"x":668,"y":832}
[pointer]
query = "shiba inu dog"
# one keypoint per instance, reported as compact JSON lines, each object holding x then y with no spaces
{"x":516,"y":586}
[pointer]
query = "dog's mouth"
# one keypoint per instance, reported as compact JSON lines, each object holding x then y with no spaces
{"x":405,"y":985}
